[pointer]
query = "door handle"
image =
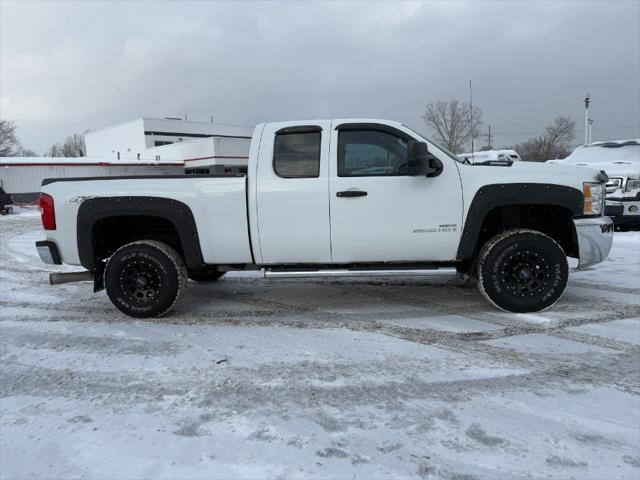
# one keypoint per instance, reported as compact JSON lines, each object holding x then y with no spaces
{"x":351,"y":193}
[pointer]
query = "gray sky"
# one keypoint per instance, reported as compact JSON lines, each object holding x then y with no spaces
{"x":70,"y":66}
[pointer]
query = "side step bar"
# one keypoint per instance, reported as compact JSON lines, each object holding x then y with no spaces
{"x":427,"y":272}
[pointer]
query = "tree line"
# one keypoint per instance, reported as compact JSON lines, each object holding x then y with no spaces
{"x":10,"y":146}
{"x":455,"y":124}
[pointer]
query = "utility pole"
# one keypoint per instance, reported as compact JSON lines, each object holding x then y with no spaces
{"x":587,"y":101}
{"x":488,"y":135}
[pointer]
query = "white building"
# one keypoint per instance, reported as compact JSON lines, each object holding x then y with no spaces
{"x":204,"y":147}
{"x":21,"y":177}
{"x":144,"y":146}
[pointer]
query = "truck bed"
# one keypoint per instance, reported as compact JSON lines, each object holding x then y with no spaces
{"x":218,"y":204}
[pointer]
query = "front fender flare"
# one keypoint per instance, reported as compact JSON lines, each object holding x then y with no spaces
{"x":503,"y":194}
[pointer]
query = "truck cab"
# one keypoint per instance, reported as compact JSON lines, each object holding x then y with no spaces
{"x":342,"y":191}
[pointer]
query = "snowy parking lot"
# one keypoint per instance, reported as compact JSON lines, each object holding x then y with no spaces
{"x":249,"y":378}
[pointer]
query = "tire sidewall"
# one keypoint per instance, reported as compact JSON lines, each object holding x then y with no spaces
{"x":492,"y":262}
{"x":164,"y":266}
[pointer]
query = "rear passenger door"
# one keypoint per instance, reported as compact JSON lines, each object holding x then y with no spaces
{"x":292,"y":193}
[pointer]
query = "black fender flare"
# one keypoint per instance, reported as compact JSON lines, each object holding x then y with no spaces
{"x":179,"y":214}
{"x":491,"y":196}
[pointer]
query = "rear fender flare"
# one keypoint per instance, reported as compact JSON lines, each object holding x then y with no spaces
{"x":179,"y":214}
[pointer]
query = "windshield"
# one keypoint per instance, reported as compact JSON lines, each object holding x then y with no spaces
{"x":439,"y":147}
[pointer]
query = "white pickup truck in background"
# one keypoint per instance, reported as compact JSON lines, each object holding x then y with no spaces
{"x":490,"y":156}
{"x":350,"y":197}
{"x":620,"y":160}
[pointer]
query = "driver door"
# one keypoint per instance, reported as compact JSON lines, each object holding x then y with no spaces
{"x":378,"y":212}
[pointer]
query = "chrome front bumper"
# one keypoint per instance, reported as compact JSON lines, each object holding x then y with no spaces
{"x":595,"y":236}
{"x":624,"y":208}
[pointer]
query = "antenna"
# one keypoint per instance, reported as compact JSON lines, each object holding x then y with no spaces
{"x":473,"y":156}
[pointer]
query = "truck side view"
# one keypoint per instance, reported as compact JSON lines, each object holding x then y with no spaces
{"x":350,"y":197}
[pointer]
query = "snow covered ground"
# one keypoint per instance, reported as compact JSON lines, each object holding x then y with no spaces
{"x":250,"y":378}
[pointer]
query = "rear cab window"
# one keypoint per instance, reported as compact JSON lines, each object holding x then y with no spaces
{"x":296,"y":152}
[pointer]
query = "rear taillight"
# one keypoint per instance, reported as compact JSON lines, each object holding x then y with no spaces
{"x":47,"y":211}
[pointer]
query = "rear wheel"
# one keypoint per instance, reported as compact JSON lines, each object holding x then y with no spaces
{"x":522,"y":271}
{"x":145,"y":279}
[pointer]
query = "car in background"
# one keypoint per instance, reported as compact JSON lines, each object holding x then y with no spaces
{"x":620,"y":160}
{"x":6,"y":204}
{"x":490,"y":156}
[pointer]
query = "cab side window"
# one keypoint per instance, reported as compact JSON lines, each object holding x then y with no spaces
{"x":297,"y":154}
{"x":371,"y":153}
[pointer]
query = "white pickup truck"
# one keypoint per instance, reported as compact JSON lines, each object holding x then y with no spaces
{"x":355,"y":197}
{"x":620,"y":160}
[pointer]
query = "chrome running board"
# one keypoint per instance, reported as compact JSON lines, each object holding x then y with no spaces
{"x":427,"y":272}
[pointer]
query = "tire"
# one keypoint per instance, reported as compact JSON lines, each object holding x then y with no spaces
{"x":522,"y":271}
{"x":145,"y":279}
{"x":205,"y":275}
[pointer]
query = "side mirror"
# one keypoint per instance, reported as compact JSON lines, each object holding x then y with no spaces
{"x":421,"y":161}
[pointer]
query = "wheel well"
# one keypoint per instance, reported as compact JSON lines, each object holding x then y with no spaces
{"x":552,"y":220}
{"x":111,"y":233}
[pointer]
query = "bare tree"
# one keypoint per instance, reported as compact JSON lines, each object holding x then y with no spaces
{"x":73,"y":146}
{"x":25,"y":152}
{"x":452,"y":122}
{"x":8,"y":140}
{"x":555,"y":142}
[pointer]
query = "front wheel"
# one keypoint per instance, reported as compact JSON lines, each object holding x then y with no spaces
{"x":522,"y":271}
{"x":145,"y":279}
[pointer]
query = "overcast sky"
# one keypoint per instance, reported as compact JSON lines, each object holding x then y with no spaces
{"x":70,"y":66}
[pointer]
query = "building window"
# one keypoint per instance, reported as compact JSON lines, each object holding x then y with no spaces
{"x":159,"y":143}
{"x":297,"y":154}
{"x":371,"y":153}
{"x":197,"y":171}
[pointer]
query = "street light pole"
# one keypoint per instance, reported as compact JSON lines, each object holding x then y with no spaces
{"x":590,"y":123}
{"x":587,"y":101}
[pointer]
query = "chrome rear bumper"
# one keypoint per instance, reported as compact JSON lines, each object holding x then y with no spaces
{"x":48,"y":252}
{"x":595,"y":236}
